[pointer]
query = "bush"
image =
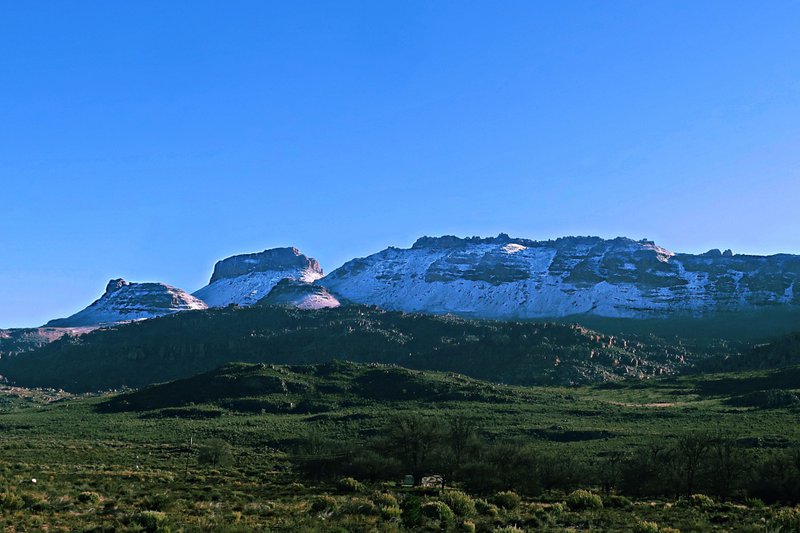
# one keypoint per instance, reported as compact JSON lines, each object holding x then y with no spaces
{"x":348,"y":484}
{"x":89,"y":497}
{"x":323,"y":503}
{"x":507,"y":499}
{"x":617,"y":502}
{"x":461,"y":504}
{"x":360,"y":506}
{"x":646,"y":527}
{"x":508,"y":529}
{"x":485,"y":508}
{"x":438,"y":511}
{"x":34,"y":502}
{"x":701,"y":500}
{"x":754,"y":503}
{"x":468,"y":526}
{"x":10,"y":501}
{"x":391,"y":513}
{"x":384,"y":499}
{"x":583,"y":499}
{"x":786,"y":521}
{"x":152,"y":521}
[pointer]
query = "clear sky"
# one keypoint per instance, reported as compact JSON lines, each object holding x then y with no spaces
{"x":147,"y":140}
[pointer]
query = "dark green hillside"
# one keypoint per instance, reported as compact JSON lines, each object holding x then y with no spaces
{"x":260,"y":388}
{"x":189,"y":343}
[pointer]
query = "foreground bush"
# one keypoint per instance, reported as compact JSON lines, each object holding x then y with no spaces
{"x":440,"y":512}
{"x":786,"y":521}
{"x":701,"y":500}
{"x":89,"y":497}
{"x":151,"y":521}
{"x":583,"y":499}
{"x":10,"y":501}
{"x":348,"y":484}
{"x":507,"y":499}
{"x":461,"y":504}
{"x":323,"y":503}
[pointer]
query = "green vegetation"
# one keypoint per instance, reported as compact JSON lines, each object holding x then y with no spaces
{"x":189,"y":343}
{"x":326,"y":447}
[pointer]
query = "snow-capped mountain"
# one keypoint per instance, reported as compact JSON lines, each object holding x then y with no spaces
{"x":508,"y":278}
{"x":245,"y":279}
{"x":300,"y":295}
{"x":124,"y":301}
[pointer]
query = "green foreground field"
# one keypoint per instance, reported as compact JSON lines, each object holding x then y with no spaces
{"x":102,"y":464}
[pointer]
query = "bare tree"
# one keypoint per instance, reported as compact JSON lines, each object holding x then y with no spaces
{"x":690,"y":449}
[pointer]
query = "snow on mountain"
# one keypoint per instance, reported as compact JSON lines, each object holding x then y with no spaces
{"x":124,"y":301}
{"x":245,"y":279}
{"x":507,"y":278}
{"x":300,"y":295}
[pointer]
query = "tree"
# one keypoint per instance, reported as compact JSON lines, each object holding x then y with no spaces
{"x":729,"y":464}
{"x":690,"y":449}
{"x":412,"y":440}
{"x":215,"y":452}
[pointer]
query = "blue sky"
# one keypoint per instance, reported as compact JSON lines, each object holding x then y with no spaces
{"x":148,"y":139}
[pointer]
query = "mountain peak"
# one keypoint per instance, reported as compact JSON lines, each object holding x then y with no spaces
{"x":245,"y":279}
{"x":116,"y":284}
{"x":124,"y":301}
{"x":269,"y":260}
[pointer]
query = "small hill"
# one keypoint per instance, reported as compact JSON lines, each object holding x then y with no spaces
{"x":315,"y":388}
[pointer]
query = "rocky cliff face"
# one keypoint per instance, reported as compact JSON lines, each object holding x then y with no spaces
{"x":245,"y":279}
{"x":300,"y":295}
{"x":124,"y":301}
{"x":508,"y":278}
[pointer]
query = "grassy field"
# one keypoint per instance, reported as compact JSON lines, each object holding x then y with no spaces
{"x":104,"y":463}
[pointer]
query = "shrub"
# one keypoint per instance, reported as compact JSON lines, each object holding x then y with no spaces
{"x":10,"y":501}
{"x":438,"y":511}
{"x":700,"y":500}
{"x":384,"y":499}
{"x":412,"y":515}
{"x":785,"y":521}
{"x":580,"y":499}
{"x":617,"y":502}
{"x":754,"y":503}
{"x":485,"y":508}
{"x":467,"y":526}
{"x":360,"y":506}
{"x":646,"y":527}
{"x":507,"y":499}
{"x":151,"y":521}
{"x":348,"y":484}
{"x":557,"y":508}
{"x":508,"y":529}
{"x":461,"y":504}
{"x":323,"y":503}
{"x":157,"y":502}
{"x":391,"y":513}
{"x":34,"y":502}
